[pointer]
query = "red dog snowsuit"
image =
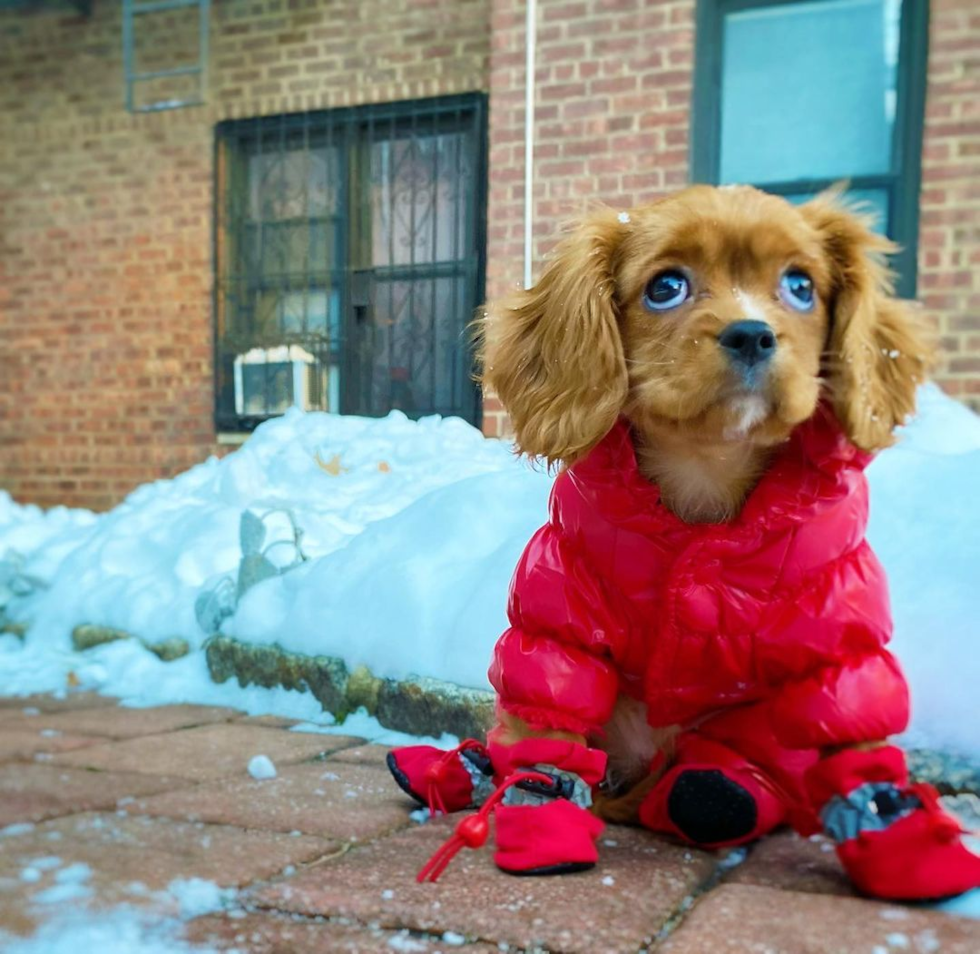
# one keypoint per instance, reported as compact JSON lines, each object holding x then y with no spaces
{"x":765,"y":634}
{"x":762,"y":638}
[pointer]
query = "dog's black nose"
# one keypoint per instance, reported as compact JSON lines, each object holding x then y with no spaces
{"x":748,"y":342}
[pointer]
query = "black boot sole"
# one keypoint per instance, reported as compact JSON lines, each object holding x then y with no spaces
{"x":572,"y":867}
{"x":401,"y":778}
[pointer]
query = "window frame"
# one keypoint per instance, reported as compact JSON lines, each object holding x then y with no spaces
{"x":349,"y":124}
{"x":901,"y":182}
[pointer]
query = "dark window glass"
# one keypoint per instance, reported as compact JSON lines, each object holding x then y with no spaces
{"x":350,"y":258}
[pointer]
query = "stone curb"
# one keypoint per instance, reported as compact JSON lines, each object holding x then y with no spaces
{"x":417,"y":705}
{"x":87,"y":636}
{"x":420,"y":705}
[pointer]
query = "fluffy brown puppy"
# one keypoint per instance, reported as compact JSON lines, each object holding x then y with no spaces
{"x":640,"y":316}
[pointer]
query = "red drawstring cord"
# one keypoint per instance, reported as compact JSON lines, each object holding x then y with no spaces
{"x":436,"y":773}
{"x":473,"y":830}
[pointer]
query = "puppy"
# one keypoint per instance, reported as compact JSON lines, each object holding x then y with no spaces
{"x":714,"y":322}
{"x":697,"y":635}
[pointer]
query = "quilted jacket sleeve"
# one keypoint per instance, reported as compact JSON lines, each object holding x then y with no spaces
{"x":865,"y":699}
{"x":552,"y":667}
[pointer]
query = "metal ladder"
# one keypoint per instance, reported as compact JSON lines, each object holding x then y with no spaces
{"x":132,"y":10}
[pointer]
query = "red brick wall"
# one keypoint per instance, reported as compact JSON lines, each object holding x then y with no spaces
{"x":949,"y":236}
{"x":105,"y":217}
{"x":613,"y":92}
{"x":614,"y":81}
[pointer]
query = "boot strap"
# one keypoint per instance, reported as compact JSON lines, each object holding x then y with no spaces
{"x":559,"y":784}
{"x":873,"y":806}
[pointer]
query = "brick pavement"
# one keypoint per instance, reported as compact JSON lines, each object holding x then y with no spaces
{"x":323,"y":855}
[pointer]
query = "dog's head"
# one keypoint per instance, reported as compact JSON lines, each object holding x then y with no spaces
{"x":721,"y":314}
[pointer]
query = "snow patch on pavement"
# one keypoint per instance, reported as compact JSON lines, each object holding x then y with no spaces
{"x":122,"y":930}
{"x":966,"y":905}
{"x":261,"y":767}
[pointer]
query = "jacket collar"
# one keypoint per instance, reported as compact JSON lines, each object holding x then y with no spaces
{"x":816,"y":465}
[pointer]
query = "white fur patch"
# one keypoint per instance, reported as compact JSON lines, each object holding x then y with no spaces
{"x":751,"y":308}
{"x":747,"y":411}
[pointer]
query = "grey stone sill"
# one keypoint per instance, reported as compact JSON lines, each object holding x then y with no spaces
{"x":232,"y":438}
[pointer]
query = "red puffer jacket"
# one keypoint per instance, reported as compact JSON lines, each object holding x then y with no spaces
{"x":786,"y":603}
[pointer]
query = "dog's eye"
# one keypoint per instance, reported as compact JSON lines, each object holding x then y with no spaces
{"x":796,"y":289}
{"x":666,"y":290}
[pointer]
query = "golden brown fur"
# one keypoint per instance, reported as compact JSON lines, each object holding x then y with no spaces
{"x":579,"y":349}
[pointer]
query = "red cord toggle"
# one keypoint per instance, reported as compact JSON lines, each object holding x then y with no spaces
{"x":473,"y":830}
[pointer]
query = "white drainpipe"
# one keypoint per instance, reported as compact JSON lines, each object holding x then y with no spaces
{"x":531,"y":39}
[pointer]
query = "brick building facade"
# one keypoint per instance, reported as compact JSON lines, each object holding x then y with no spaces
{"x":107,"y":217}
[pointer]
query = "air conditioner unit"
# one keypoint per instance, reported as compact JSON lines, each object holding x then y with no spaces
{"x":271,"y":380}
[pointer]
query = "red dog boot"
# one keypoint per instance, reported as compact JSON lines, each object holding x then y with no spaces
{"x":543,"y":825}
{"x":713,"y":798}
{"x":444,"y":781}
{"x":895,"y":840}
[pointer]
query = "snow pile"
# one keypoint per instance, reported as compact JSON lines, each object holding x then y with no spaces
{"x":408,"y":533}
{"x":925,"y":528}
{"x":411,"y":531}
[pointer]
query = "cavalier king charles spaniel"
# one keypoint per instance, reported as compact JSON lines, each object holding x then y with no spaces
{"x":697,"y":636}
{"x":714,"y":322}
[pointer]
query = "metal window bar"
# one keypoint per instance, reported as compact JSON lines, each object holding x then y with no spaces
{"x":400,"y":338}
{"x":132,"y":10}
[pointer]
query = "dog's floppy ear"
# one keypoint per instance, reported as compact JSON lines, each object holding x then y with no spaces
{"x":879,"y":349}
{"x":553,"y":353}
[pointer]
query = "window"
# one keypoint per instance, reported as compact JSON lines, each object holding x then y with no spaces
{"x":349,"y":255}
{"x":795,"y":96}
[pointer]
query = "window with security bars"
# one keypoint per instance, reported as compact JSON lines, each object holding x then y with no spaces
{"x":350,"y":259}
{"x":796,"y":95}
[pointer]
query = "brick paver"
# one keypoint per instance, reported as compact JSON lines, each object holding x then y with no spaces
{"x":34,"y":792}
{"x":277,"y":934}
{"x":119,"y":722}
{"x":364,"y":755}
{"x":336,"y":799}
{"x":22,"y":744}
{"x":131,"y":856}
{"x":205,"y":752}
{"x":740,"y":918}
{"x":617,"y":906}
{"x":786,"y":861}
{"x":324,"y":855}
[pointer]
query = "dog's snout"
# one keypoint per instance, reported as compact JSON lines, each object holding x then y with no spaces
{"x":748,"y":342}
